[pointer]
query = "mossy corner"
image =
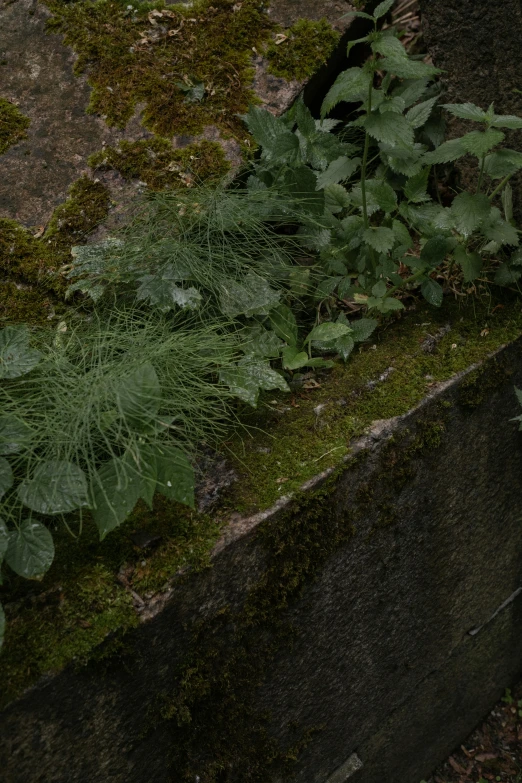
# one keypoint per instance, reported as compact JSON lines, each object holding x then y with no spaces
{"x":13,"y":125}
{"x":305,"y":47}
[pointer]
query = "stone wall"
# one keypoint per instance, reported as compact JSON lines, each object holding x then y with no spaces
{"x":362,"y":627}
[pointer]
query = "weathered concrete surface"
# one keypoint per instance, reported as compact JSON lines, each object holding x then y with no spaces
{"x":406,"y":636}
{"x":37,"y":75}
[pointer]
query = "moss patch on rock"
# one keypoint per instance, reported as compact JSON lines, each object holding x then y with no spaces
{"x":160,"y":166}
{"x":32,"y":260}
{"x":13,"y":125}
{"x":150,"y":55}
{"x":307,"y":47}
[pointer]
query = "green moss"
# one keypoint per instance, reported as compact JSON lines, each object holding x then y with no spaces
{"x":157,"y":163}
{"x":30,"y":260}
{"x":13,"y":125}
{"x":478,"y":385}
{"x":310,"y":439}
{"x":308,"y":46}
{"x":150,"y":55}
{"x":20,"y":304}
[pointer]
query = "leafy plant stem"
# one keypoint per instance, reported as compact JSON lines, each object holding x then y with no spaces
{"x":410,"y":279}
{"x":365,"y":163}
{"x":481,"y":175}
{"x":500,"y":186}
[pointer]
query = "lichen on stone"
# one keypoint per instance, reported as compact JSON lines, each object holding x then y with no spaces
{"x":13,"y":125}
{"x":307,"y":47}
{"x":157,"y":163}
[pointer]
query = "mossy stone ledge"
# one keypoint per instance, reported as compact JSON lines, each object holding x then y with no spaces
{"x":337,"y":610}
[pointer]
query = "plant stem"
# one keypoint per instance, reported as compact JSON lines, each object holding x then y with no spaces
{"x":501,"y":185}
{"x":365,"y":160}
{"x":481,"y":175}
{"x":410,"y":279}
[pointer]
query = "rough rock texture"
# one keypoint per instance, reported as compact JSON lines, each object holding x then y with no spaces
{"x":407,"y":633}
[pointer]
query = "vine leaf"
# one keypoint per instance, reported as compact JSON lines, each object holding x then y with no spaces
{"x":16,"y":356}
{"x":6,"y":476}
{"x":57,"y":487}
{"x":30,"y":551}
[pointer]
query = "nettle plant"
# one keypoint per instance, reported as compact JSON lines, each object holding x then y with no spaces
{"x":364,"y":192}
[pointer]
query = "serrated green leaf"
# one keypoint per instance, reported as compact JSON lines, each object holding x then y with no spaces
{"x":338,"y":170}
{"x":435,"y":128}
{"x":507,"y":202}
{"x":16,"y":356}
{"x":432,"y":292}
{"x":139,"y":396}
{"x":379,"y":289}
{"x":4,"y":539}
{"x":300,"y":184}
{"x":6,"y":477}
{"x":405,"y":68}
{"x":466,"y":111}
{"x":381,"y":239}
{"x":497,"y":230}
{"x":344,"y":346}
{"x":411,"y":91}
{"x":30,"y":551}
{"x":389,"y":128}
{"x":447,"y":152}
{"x":115,"y":490}
{"x":286,"y":148}
{"x":470,"y":263}
{"x":418,"y":115}
{"x":402,"y":235}
{"x":509,"y":121}
{"x":176,"y":480}
{"x":15,"y":435}
{"x":387,"y":45}
{"x":435,"y":250}
{"x":351,"y":85}
{"x":363,"y":328}
{"x":305,"y":121}
{"x":282,"y":321}
{"x":507,"y":276}
{"x":383,"y":8}
{"x":407,"y":161}
{"x":252,"y":296}
{"x":382,"y":194}
{"x":360,"y":14}
{"x":328,"y":331}
{"x":264,"y":126}
{"x":162,"y":291}
{"x":293,"y":358}
{"x":502,"y":163}
{"x":478,"y":143}
{"x":469,"y":211}
{"x":337,"y":198}
{"x":416,"y":187}
{"x":56,"y":487}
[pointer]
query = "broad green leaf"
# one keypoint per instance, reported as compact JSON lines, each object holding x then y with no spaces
{"x":176,"y":480}
{"x":502,"y":163}
{"x":466,"y":111}
{"x":507,"y":202}
{"x":6,"y":477}
{"x":139,"y":397}
{"x":382,"y":194}
{"x":344,"y":346}
{"x":402,"y":235}
{"x":363,"y":328}
{"x":478,"y":143}
{"x":447,"y":152}
{"x":305,"y":121}
{"x":325,"y":126}
{"x":16,"y":356}
{"x":300,"y":184}
{"x":381,"y":239}
{"x":405,"y":68}
{"x":161,"y":291}
{"x":261,"y":344}
{"x":470,"y":263}
{"x":351,"y":85}
{"x":264,"y":127}
{"x":240,"y":383}
{"x":15,"y":435}
{"x":383,"y":8}
{"x":360,"y":14}
{"x":435,"y":128}
{"x":390,"y":128}
{"x":469,"y":211}
{"x":432,"y":292}
{"x":387,"y":305}
{"x":115,"y":490}
{"x":293,"y":358}
{"x":498,"y":230}
{"x":4,"y":539}
{"x":436,"y":249}
{"x":403,"y":160}
{"x":411,"y":91}
{"x":379,"y":289}
{"x":328,"y":331}
{"x":286,"y":148}
{"x":253,"y":295}
{"x":2,"y":625}
{"x":387,"y":45}
{"x":30,"y":551}
{"x":416,"y":187}
{"x":264,"y":375}
{"x":418,"y":115}
{"x":282,"y":321}
{"x":509,"y":121}
{"x":506,"y":276}
{"x":338,"y":170}
{"x":337,"y":198}
{"x":141,"y":464}
{"x":56,"y":487}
